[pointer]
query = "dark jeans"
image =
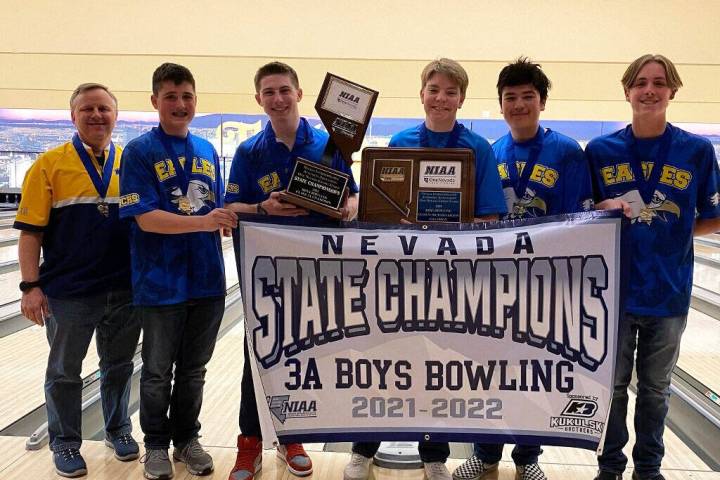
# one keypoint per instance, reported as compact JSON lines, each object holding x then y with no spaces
{"x":249,"y":420}
{"x":429,"y":451}
{"x":658,"y":345}
{"x":69,"y":329}
{"x":183,"y":336}
{"x":521,"y":454}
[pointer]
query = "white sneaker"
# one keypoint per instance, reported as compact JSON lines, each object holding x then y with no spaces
{"x":358,"y":468}
{"x":436,"y":471}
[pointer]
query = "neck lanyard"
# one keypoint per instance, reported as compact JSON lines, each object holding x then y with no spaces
{"x":182,"y":172}
{"x":452,"y":140}
{"x":101,"y":183}
{"x":519,"y":180}
{"x":646,"y":187}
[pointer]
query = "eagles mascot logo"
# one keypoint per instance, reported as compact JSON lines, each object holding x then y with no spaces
{"x":198,"y":193}
{"x":528,"y":205}
{"x":659,"y":207}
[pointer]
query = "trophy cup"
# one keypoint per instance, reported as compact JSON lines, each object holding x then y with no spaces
{"x":345,"y":109}
{"x":420,"y":185}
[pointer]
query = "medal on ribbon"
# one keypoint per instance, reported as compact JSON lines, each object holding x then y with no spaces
{"x":104,"y":208}
{"x":101,"y":183}
{"x":184,"y":205}
{"x":182,"y":172}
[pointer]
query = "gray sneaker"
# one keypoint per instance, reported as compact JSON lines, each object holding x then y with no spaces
{"x":193,"y":455}
{"x":358,"y":468}
{"x":436,"y":471}
{"x":157,"y":464}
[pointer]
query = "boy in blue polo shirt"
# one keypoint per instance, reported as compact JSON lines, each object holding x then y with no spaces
{"x":444,"y":83}
{"x":667,"y":181}
{"x":260,"y":169}
{"x":171,"y":185}
{"x":543,"y":173}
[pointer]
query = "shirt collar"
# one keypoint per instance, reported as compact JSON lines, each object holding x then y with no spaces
{"x":303,"y":135}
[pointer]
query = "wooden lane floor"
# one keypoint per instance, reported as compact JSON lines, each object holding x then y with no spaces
{"x":706,"y":276}
{"x":23,"y":357}
{"x":18,"y":464}
{"x":9,"y":290}
{"x":699,"y":355}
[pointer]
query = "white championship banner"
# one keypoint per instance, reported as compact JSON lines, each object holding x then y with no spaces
{"x":498,"y":332}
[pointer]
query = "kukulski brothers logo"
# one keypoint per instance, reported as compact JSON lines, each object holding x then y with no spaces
{"x":440,"y":174}
{"x":282,"y":407}
{"x":577,"y":416}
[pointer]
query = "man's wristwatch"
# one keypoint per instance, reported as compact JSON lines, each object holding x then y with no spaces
{"x":260,"y":210}
{"x":27,"y":286}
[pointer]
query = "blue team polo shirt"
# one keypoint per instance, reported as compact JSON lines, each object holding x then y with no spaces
{"x":263,"y":165}
{"x":662,"y":235}
{"x":488,"y":190}
{"x":559,"y":182}
{"x":171,"y":268}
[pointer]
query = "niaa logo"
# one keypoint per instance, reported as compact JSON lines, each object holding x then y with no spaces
{"x":283,"y":408}
{"x":438,"y":170}
{"x":349,"y":97}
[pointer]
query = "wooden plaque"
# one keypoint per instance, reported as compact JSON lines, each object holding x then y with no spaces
{"x":420,"y":185}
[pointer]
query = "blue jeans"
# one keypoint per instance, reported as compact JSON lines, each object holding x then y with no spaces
{"x":181,"y":335}
{"x":69,"y":329}
{"x":521,"y":454}
{"x":658,"y":345}
{"x":429,"y":451}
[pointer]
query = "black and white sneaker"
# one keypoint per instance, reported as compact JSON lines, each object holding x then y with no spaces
{"x":530,"y":471}
{"x":475,"y":469}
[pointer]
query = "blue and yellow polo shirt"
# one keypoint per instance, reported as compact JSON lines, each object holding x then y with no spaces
{"x":84,"y":251}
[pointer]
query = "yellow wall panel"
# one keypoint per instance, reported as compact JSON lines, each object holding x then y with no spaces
{"x":48,"y":47}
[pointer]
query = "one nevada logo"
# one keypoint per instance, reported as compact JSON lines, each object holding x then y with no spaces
{"x":349,"y":97}
{"x":283,"y":408}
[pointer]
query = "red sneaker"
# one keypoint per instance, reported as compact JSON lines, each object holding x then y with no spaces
{"x":298,"y":462}
{"x":249,"y":458}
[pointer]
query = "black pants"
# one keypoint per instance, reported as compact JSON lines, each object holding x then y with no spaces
{"x":249,"y":420}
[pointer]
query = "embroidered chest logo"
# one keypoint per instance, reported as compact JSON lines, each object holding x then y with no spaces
{"x":622,"y":172}
{"x":269,"y":183}
{"x":540,"y":174}
{"x":165,"y":169}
